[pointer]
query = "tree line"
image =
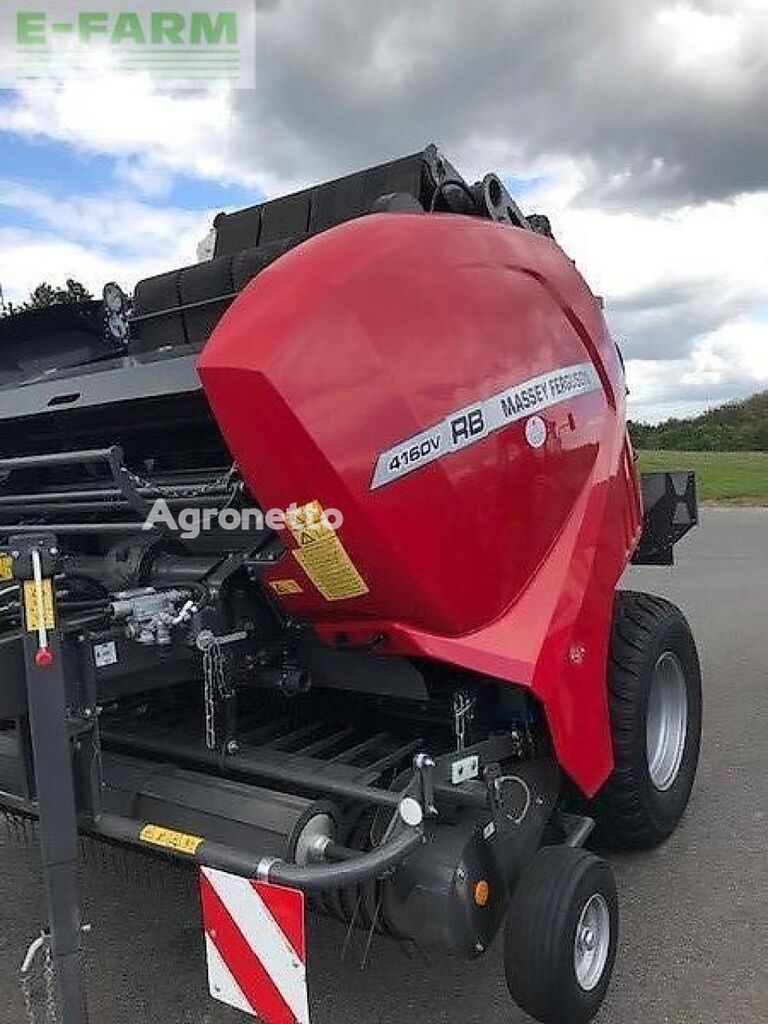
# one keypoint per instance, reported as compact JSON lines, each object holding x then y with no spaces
{"x":46,"y":295}
{"x":736,"y":426}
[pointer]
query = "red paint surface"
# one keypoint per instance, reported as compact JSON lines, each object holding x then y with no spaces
{"x":500,"y":557}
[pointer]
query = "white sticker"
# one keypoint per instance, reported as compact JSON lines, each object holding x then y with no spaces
{"x":105,"y":654}
{"x":471,"y":424}
{"x":536,"y":432}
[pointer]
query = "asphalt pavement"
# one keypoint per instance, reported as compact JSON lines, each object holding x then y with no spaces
{"x":694,"y":944}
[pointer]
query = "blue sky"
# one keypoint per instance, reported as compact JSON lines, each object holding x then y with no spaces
{"x":62,"y":170}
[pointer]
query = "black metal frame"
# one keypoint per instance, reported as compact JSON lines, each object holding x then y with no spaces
{"x":54,"y":785}
{"x":670,"y":510}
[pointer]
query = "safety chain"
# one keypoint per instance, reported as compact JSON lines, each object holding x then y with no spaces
{"x":215,"y":685}
{"x":213,"y":678}
{"x":463,"y":713}
{"x":41,"y":945}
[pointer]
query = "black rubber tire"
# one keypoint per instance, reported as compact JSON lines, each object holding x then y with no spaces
{"x":631,"y":812}
{"x":540,"y":934}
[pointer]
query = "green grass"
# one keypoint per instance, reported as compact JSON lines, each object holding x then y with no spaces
{"x":733,"y":478}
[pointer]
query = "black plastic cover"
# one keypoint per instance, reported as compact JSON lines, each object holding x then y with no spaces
{"x":670,"y":511}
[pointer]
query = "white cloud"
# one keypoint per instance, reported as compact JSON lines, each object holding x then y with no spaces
{"x":720,"y":245}
{"x":130,"y":118}
{"x":94,"y":239}
{"x":730,"y":362}
{"x":641,"y":127}
{"x":107,"y":222}
{"x":735,"y":352}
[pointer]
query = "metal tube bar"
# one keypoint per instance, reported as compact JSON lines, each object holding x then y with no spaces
{"x":59,"y":459}
{"x":75,"y":528}
{"x":175,"y":493}
{"x":118,"y":504}
{"x":247,"y":765}
{"x":349,"y":872}
{"x":199,"y":304}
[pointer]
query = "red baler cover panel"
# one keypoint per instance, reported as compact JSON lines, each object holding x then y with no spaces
{"x":449,"y":385}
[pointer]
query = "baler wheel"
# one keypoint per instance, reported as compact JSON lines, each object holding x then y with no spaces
{"x":654,"y":683}
{"x":561,"y":936}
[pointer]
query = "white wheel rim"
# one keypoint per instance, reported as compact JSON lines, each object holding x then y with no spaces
{"x":667,"y":721}
{"x":592,"y":943}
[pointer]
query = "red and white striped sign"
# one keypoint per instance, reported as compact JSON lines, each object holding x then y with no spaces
{"x":256,"y":945}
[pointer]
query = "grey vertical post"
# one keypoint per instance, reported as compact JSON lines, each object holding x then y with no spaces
{"x":55,"y":793}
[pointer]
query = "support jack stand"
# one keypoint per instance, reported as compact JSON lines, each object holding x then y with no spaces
{"x":34,"y":569}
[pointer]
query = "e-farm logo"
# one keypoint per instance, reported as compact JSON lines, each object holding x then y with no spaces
{"x":183,"y":43}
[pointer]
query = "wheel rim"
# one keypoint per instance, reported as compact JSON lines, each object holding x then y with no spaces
{"x":667,"y":721}
{"x":593,"y":942}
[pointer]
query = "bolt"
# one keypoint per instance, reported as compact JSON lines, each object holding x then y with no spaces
{"x":479,"y":947}
{"x":577,"y":654}
{"x":232,"y":747}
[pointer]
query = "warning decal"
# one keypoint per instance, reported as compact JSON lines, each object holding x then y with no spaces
{"x":322,"y":555}
{"x":6,"y":568}
{"x":286,"y":587}
{"x":180,"y":842}
{"x":32,"y":614}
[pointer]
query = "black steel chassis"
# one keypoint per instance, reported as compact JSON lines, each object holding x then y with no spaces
{"x":70,"y":755}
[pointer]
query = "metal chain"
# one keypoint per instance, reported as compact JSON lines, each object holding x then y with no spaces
{"x":47,"y":975}
{"x":463,"y":712}
{"x":216,"y":688}
{"x":29,"y":1006}
{"x":49,"y":980}
{"x":213,"y":671}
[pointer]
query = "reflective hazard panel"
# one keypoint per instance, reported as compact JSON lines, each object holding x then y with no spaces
{"x":6,"y":568}
{"x":256,"y":947}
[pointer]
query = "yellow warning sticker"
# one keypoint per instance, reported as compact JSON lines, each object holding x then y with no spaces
{"x":286,"y":587}
{"x":31,"y":609}
{"x":322,"y":555}
{"x":179,"y":842}
{"x":308,"y":523}
{"x":6,"y":568}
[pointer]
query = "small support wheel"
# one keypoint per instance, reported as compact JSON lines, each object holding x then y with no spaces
{"x":561,"y":936}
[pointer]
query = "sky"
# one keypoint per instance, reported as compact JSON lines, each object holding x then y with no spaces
{"x":639,"y":128}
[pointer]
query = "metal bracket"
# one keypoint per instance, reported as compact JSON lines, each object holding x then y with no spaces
{"x":425,"y":766}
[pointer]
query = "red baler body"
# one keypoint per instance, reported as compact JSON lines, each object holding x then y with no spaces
{"x":499,"y":556}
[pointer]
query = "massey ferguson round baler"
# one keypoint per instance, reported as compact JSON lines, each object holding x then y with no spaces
{"x":319,"y":540}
